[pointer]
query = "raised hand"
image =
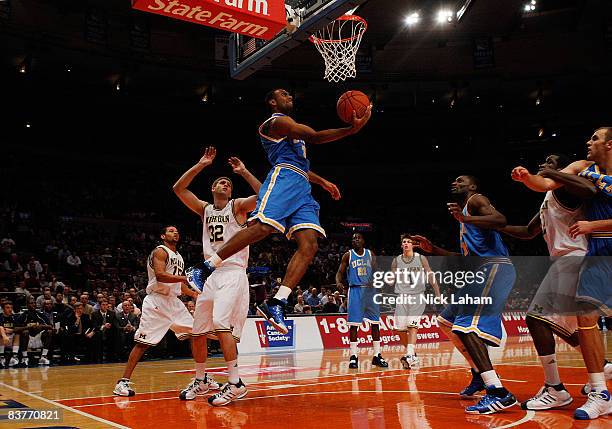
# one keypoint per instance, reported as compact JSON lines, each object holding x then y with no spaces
{"x":237,"y":165}
{"x":209,"y":155}
{"x":359,"y":123}
{"x":520,"y":174}
{"x":422,"y":243}
{"x":581,"y":227}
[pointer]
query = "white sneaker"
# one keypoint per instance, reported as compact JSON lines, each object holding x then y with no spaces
{"x":2,"y":362}
{"x":13,"y":362}
{"x":597,"y":404}
{"x":43,"y":361}
{"x":25,"y":362}
{"x":229,"y":393}
{"x":586,"y":389}
{"x":547,"y":398}
{"x":124,"y":388}
{"x":198,"y":387}
{"x":410,"y":361}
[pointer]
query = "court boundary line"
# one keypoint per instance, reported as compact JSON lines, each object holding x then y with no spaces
{"x":66,"y":407}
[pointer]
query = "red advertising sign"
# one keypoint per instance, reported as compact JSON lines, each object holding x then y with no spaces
{"x":256,"y":18}
{"x":515,"y":324}
{"x":334,"y":331}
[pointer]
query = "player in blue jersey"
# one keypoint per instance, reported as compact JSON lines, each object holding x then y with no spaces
{"x":595,"y":287}
{"x":284,"y":203}
{"x":358,"y":265}
{"x":472,"y":327}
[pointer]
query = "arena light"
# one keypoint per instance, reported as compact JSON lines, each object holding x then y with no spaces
{"x":23,"y":68}
{"x":530,"y":7}
{"x":413,"y":19}
{"x":444,"y":15}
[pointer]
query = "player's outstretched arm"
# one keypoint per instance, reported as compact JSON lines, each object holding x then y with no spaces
{"x":423,"y":243}
{"x":543,"y":184}
{"x":180,"y":187}
{"x":245,"y":205}
{"x":159,"y":266}
{"x":573,"y":184}
{"x":285,"y":126}
{"x":486,"y":216}
{"x":188,"y":292}
{"x":325,"y":184}
{"x":587,"y":227}
{"x":524,"y":232}
{"x":342,"y":270}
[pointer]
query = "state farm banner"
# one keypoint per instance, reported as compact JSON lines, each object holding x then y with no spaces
{"x":334,"y":331}
{"x":256,"y":18}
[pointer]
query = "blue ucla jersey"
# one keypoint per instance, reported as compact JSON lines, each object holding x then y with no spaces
{"x":359,"y":268}
{"x":599,"y":208}
{"x":284,"y":150}
{"x":477,"y":241}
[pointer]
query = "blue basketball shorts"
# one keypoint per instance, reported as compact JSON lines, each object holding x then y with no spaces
{"x":285,"y":202}
{"x":483,"y":319}
{"x":595,"y":284}
{"x":361,"y":305}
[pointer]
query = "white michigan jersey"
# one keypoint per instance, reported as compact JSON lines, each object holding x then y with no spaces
{"x":556,"y":220}
{"x":219,"y":226}
{"x":174,"y":266}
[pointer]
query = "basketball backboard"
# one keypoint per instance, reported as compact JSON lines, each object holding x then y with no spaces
{"x":248,"y":55}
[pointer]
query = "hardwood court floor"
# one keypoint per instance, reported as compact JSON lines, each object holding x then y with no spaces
{"x":299,"y":390}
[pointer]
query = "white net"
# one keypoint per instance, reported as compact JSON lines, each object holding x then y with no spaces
{"x":338,"y":43}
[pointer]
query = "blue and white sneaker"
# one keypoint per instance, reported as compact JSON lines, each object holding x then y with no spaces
{"x":475,"y":386}
{"x":490,"y":403}
{"x":598,"y":404}
{"x":196,"y":277}
{"x":274,"y":313}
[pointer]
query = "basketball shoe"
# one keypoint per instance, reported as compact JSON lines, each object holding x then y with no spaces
{"x":598,"y":404}
{"x":379,"y":361}
{"x":198,"y":387}
{"x":409,"y":361}
{"x":124,"y":388}
{"x":274,"y":312}
{"x":353,"y":362}
{"x":547,"y":398}
{"x":493,"y":402}
{"x":196,"y":277}
{"x":476,"y":385}
{"x":229,"y":393}
{"x":586,"y":389}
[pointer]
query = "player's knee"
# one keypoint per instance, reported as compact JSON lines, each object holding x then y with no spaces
{"x":309,"y":248}
{"x":262,"y":230}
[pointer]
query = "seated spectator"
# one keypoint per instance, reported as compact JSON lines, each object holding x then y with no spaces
{"x":78,"y":334}
{"x":104,"y":322}
{"x":299,"y":307}
{"x":126,"y":324}
{"x":41,"y":298}
{"x":12,"y":264}
{"x":39,"y":331}
{"x":72,"y":301}
{"x":330,"y":305}
{"x":87,"y":308}
{"x":191,"y":307}
{"x":99,"y":298}
{"x":9,"y":352}
{"x":313,"y":299}
{"x":307,"y":309}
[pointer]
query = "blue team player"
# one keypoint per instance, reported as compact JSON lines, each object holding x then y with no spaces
{"x":284,"y":203}
{"x":471,"y":327}
{"x":358,"y":265}
{"x":594,"y":292}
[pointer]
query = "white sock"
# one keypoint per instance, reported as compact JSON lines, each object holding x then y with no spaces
{"x":597,"y":381}
{"x":200,"y":370}
{"x":376,"y":345}
{"x":45,"y":352}
{"x":24,"y":353}
{"x":354,"y":348}
{"x":490,"y":378}
{"x":410,"y":349}
{"x":551,"y":371}
{"x":214,"y":260}
{"x":1,"y":349}
{"x":233,"y":375}
{"x":283,"y":293}
{"x":16,"y":350}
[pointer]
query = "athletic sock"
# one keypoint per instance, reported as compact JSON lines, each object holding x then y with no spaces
{"x":491,"y":378}
{"x":16,"y":350}
{"x":24,"y":353}
{"x":597,"y":381}
{"x":45,"y":352}
{"x":283,"y":293}
{"x":551,"y":370}
{"x":233,"y":375}
{"x":354,"y":348}
{"x":200,"y":370}
{"x":376,"y":345}
{"x":410,"y":349}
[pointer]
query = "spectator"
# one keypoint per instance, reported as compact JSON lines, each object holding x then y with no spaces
{"x":39,"y":332}
{"x":78,"y":334}
{"x":99,"y":298}
{"x":41,"y":298}
{"x":13,"y":330}
{"x":74,"y":261}
{"x":191,"y":306}
{"x":299,"y":307}
{"x":35,"y":266}
{"x":12,"y":264}
{"x":104,"y":322}
{"x":313,"y":300}
{"x":87,"y":308}
{"x":330,"y":305}
{"x":307,"y":309}
{"x":56,"y":285}
{"x":126,"y":324}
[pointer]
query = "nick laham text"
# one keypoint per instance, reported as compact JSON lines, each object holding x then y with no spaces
{"x":414,"y":299}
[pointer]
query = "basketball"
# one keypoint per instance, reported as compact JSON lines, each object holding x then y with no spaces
{"x":349,"y":101}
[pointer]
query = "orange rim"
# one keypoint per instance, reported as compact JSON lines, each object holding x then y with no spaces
{"x":314,"y":39}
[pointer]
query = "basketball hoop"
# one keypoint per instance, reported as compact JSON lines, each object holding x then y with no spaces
{"x":338,"y":43}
